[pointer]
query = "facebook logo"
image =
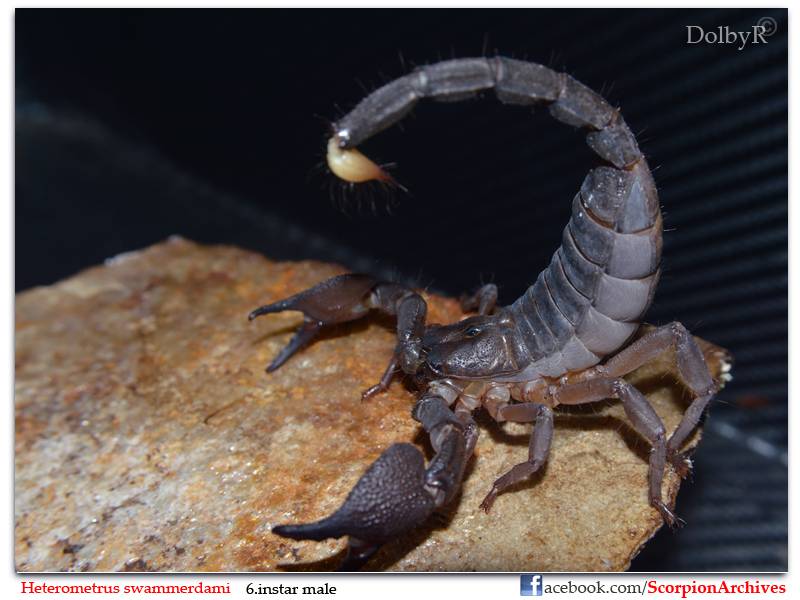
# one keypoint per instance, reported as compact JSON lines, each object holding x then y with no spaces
{"x":530,"y":585}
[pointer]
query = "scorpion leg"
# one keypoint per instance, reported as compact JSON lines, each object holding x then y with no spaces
{"x":383,"y":384}
{"x":644,"y":419}
{"x":538,"y":447}
{"x":693,"y":372}
{"x":484,"y":300}
{"x":349,"y":297}
{"x":397,"y":493}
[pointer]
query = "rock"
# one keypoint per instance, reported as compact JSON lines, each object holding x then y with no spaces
{"x":149,"y":437}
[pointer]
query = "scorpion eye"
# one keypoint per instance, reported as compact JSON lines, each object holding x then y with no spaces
{"x":472,"y":332}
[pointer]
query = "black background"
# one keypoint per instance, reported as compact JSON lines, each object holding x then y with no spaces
{"x":134,"y":125}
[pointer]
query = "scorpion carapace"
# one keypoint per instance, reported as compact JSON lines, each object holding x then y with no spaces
{"x":565,"y":341}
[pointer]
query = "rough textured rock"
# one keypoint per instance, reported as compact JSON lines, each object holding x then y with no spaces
{"x":149,"y":437}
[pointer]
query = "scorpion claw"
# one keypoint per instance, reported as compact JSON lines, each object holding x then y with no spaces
{"x":358,"y":553}
{"x":305,"y":333}
{"x":336,"y":300}
{"x":388,"y":500}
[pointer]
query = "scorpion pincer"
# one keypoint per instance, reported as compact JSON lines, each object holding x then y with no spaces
{"x":565,"y":341}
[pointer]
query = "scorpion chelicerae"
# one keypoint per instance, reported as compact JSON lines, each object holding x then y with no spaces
{"x":564,"y":342}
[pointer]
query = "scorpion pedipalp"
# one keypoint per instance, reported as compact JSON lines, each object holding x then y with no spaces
{"x":349,"y":297}
{"x":398,"y":493}
{"x":392,"y":492}
{"x":336,"y":300}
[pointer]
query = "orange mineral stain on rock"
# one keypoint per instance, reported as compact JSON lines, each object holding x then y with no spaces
{"x":165,"y":446}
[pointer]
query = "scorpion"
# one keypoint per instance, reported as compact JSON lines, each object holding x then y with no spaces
{"x":565,"y":341}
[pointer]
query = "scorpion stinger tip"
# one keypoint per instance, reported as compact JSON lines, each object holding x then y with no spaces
{"x":352,"y":166}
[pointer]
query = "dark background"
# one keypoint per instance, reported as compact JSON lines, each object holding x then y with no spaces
{"x":134,"y":125}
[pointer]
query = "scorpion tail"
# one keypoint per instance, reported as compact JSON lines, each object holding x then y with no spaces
{"x":352,"y":166}
{"x":591,"y":299}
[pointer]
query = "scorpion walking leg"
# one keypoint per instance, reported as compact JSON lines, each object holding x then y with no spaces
{"x":484,"y":300}
{"x":644,"y":419}
{"x":693,"y":372}
{"x":385,"y":381}
{"x":538,"y":448}
{"x":397,"y":493}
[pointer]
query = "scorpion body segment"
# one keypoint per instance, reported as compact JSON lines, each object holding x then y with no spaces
{"x":564,"y":341}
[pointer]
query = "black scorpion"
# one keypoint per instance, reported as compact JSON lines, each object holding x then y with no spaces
{"x":565,"y":341}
